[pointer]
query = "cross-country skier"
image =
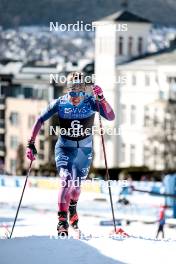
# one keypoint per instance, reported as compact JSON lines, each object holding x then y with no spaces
{"x":73,"y":150}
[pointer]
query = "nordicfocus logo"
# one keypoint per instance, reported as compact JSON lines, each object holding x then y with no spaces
{"x":78,"y":130}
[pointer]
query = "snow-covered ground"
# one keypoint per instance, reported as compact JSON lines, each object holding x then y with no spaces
{"x":35,"y":241}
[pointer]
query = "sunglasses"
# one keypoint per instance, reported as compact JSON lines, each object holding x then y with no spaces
{"x":76,"y":94}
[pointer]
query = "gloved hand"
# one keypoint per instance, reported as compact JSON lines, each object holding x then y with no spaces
{"x":98,"y":92}
{"x":31,"y":150}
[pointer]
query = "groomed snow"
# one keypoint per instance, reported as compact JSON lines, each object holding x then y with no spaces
{"x":34,"y":238}
{"x":43,"y":250}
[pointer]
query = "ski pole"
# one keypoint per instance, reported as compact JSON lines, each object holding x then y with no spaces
{"x":21,"y":199}
{"x":106,"y":164}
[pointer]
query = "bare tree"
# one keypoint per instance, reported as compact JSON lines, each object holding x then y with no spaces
{"x":160,"y":146}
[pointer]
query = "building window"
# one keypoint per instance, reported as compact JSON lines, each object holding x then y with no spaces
{"x":167,"y":121}
{"x":14,"y":142}
{"x":147,"y":80}
{"x":155,"y":118}
{"x":146,"y":155}
{"x":134,"y":79}
{"x":140,"y":45}
{"x":123,"y":114}
{"x":161,"y":94}
{"x":2,"y":146}
{"x":2,"y":114}
{"x":42,"y":145}
{"x":156,"y":78}
{"x":14,"y":118}
{"x":155,"y":157}
{"x":41,"y":156}
{"x":133,"y":115}
{"x":132,"y":154}
{"x":42,"y":131}
{"x":123,"y":152}
{"x":2,"y":138}
{"x":120,"y":45}
{"x":172,"y":87}
{"x":31,"y":121}
{"x":2,"y":123}
{"x":27,"y":92}
{"x":130,"y":46}
{"x":146,"y":117}
{"x":13,"y":166}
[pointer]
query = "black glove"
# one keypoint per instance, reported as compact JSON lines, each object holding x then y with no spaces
{"x":31,"y":145}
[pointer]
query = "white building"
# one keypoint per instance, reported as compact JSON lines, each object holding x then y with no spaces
{"x":119,"y":38}
{"x":150,"y":84}
{"x":132,"y":86}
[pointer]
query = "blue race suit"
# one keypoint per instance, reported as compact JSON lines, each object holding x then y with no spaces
{"x":73,"y":150}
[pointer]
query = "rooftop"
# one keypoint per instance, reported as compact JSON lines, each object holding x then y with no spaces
{"x":126,"y":16}
{"x":162,"y":57}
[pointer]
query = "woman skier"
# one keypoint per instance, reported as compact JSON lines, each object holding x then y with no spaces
{"x":73,"y":150}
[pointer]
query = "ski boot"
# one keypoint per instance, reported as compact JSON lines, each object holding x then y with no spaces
{"x":62,"y":227}
{"x":73,"y":216}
